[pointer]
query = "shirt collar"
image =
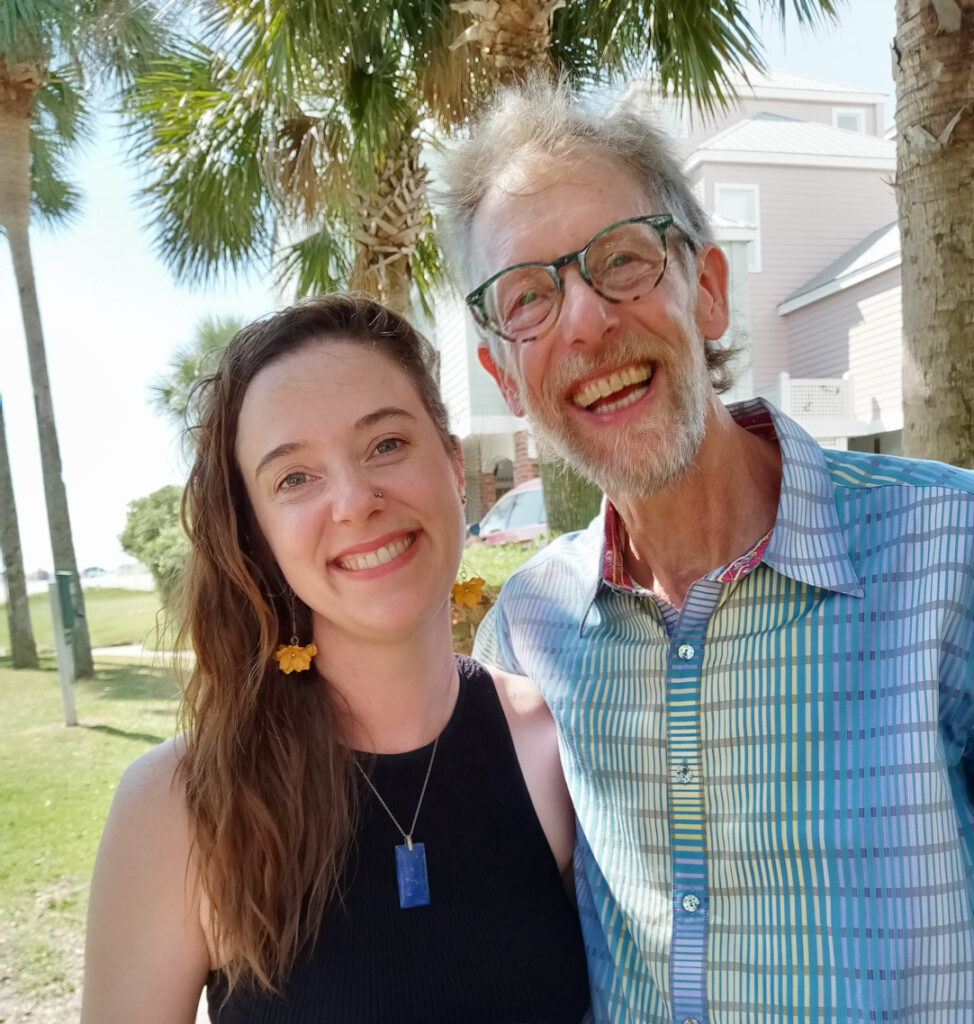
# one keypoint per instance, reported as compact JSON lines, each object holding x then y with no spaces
{"x":807,"y":543}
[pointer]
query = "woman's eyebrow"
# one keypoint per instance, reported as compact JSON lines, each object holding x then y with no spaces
{"x":386,"y":412}
{"x":288,"y":448}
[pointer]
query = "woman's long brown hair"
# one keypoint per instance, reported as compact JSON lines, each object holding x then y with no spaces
{"x":268,"y":779}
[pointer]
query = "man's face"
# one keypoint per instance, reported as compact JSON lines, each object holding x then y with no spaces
{"x":620,"y":390}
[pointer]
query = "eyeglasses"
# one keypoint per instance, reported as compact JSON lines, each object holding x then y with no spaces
{"x":621,"y":263}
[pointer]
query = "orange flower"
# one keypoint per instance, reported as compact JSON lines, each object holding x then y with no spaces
{"x":468,"y":592}
{"x":294,"y":658}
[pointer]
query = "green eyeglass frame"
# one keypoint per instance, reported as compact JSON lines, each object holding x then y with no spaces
{"x":475,"y":300}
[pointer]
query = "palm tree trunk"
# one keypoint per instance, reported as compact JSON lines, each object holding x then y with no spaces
{"x":18,"y":610}
{"x":934,"y":188}
{"x":15,"y":218}
{"x":513,"y":36}
{"x":392,"y":216}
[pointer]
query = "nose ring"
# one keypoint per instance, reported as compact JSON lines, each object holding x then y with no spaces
{"x":379,"y":494}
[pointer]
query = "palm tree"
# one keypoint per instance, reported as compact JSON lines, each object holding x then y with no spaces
{"x":18,"y":610}
{"x":172,"y":393}
{"x":284,"y":139}
{"x":47,"y":47}
{"x":934,"y":186}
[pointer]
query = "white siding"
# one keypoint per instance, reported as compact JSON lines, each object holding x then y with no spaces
{"x":809,"y":218}
{"x":451,"y":331}
{"x":472,"y":397}
{"x":857,"y":330}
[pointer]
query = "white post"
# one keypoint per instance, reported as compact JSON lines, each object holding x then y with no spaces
{"x":64,"y":650}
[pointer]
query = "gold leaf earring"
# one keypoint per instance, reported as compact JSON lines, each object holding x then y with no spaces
{"x":293,"y":657}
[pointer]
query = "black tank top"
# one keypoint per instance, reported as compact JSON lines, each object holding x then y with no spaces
{"x":499,"y":942}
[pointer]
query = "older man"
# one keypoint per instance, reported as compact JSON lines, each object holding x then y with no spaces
{"x":760,"y":654}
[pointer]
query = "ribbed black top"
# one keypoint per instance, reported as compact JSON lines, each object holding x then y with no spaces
{"x":498,"y":944}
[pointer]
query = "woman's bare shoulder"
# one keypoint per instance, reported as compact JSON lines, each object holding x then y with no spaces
{"x":519,"y":697}
{"x":150,"y":787}
{"x":146,"y":952}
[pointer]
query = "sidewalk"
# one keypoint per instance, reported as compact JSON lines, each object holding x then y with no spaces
{"x":138,"y":651}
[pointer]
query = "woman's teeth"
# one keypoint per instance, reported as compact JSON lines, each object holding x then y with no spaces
{"x":373,"y":559}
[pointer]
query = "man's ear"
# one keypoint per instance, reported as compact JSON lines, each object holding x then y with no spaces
{"x":507,"y":384}
{"x":713,"y":310}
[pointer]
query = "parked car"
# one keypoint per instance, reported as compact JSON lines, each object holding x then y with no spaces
{"x":518,"y":516}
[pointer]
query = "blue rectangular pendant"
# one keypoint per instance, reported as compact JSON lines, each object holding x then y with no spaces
{"x":414,"y":888}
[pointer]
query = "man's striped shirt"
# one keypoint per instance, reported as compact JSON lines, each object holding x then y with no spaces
{"x":774,"y":783}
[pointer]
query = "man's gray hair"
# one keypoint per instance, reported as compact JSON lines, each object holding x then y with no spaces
{"x":541,"y":120}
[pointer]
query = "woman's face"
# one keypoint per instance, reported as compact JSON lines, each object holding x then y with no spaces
{"x":322,"y":432}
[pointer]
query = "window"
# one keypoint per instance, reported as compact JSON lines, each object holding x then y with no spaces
{"x":496,"y":518}
{"x":528,"y":510}
{"x":850,"y":119}
{"x":740,"y":203}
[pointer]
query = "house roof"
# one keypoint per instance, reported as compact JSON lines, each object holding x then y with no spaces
{"x":781,"y":85}
{"x":876,"y":253}
{"x":773,"y":139}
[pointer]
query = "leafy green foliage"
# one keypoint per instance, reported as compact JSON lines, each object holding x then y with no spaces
{"x":205,"y":142}
{"x":493,"y":563}
{"x":154,"y":535}
{"x":691,"y":47}
{"x":59,"y":123}
{"x":172,"y":394}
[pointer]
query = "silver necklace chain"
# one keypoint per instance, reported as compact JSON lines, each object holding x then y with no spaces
{"x":408,"y":837}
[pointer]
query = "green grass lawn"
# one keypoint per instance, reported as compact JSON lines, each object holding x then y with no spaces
{"x":493,"y":563}
{"x":114,"y":617}
{"x":56,"y":785}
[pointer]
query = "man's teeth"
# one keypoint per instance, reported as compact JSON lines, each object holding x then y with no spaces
{"x":606,"y":386}
{"x":373,"y":559}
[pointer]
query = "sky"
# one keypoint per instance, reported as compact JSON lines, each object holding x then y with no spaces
{"x":113,"y":316}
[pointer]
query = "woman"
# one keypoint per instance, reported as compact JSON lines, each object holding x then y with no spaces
{"x":357,"y":825}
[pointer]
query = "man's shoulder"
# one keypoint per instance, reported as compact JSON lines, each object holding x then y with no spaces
{"x":570,"y":556}
{"x":849,"y":469}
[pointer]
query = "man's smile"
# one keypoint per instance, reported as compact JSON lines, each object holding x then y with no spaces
{"x":615,"y":390}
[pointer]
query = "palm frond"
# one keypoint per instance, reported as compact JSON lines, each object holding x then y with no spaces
{"x":60,"y":110}
{"x":321,"y":262}
{"x":30,"y":30}
{"x":54,"y":199}
{"x":119,"y":38}
{"x":691,"y":46}
{"x":807,"y":12}
{"x":204,"y":143}
{"x":60,"y":122}
{"x":428,"y":270}
{"x":106,"y":40}
{"x":172,"y":393}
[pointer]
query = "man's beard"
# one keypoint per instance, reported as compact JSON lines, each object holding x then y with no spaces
{"x":647,"y":457}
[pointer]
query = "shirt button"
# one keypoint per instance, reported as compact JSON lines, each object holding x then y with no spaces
{"x":691,"y":903}
{"x":684,"y":774}
{"x":691,"y":1020}
{"x":685,"y":651}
